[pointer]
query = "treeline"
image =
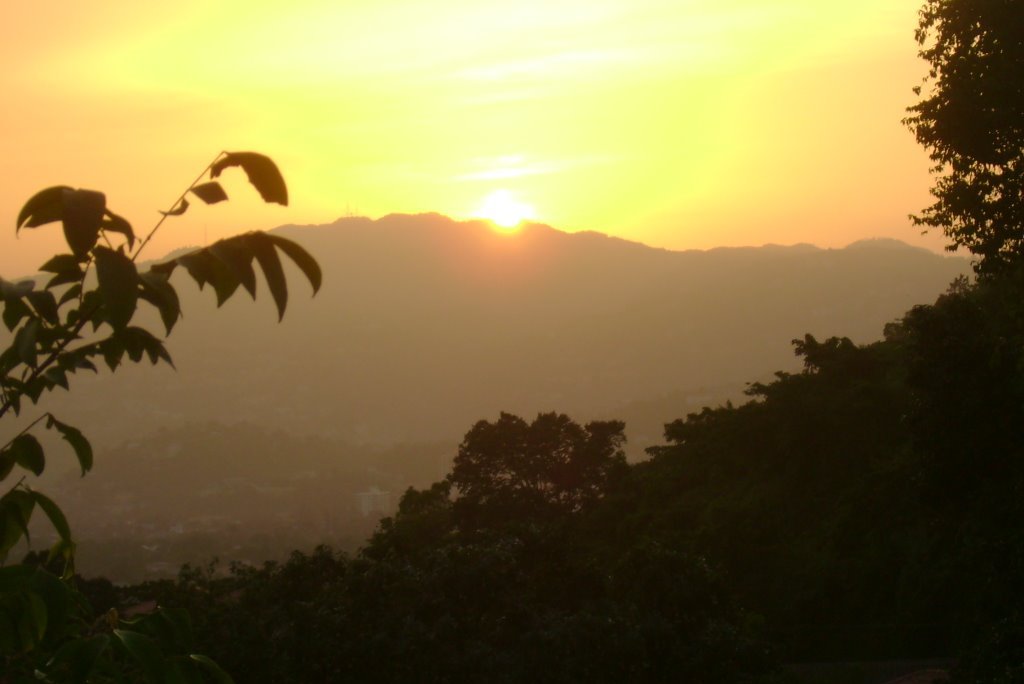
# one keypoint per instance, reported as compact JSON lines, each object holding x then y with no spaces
{"x":868,"y":507}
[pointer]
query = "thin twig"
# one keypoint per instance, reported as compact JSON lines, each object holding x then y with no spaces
{"x":27,"y":428}
{"x":178,"y":201}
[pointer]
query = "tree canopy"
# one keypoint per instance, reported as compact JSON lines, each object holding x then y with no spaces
{"x":971,"y":121}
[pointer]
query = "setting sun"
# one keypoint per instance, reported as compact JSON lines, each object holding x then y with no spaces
{"x":503,"y":209}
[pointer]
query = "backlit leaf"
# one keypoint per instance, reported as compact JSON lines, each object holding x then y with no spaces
{"x":25,"y":342}
{"x":306,"y":263}
{"x":78,"y":442}
{"x":116,"y":224}
{"x":46,"y":206}
{"x":83,"y":214}
{"x":262,"y":172}
{"x":158,"y":291}
{"x":53,"y":512}
{"x":28,"y":453}
{"x":180,"y":209}
{"x":266,"y":255}
{"x":239,"y":260}
{"x":211,"y":193}
{"x":118,"y":285}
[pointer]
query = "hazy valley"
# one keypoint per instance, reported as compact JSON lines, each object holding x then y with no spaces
{"x":266,"y":434}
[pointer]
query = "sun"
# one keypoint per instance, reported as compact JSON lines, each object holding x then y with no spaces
{"x":503,"y":210}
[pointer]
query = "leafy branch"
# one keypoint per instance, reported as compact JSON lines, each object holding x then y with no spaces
{"x":91,"y":298}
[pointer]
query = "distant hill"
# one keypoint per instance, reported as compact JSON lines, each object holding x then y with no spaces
{"x":425,"y":325}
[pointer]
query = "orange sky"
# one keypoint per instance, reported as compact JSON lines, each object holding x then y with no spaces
{"x":678,"y":123}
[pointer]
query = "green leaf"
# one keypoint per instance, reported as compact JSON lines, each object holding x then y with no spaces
{"x":118,"y":285}
{"x":306,"y":263}
{"x":211,"y":193}
{"x":116,"y":224}
{"x":158,"y":291}
{"x":6,"y":463}
{"x":211,"y":668}
{"x":53,"y":512}
{"x":178,"y":210}
{"x":15,"y":511}
{"x":80,"y":656}
{"x":262,"y":172}
{"x":266,"y":255}
{"x":78,"y":442}
{"x":28,"y":453}
{"x":46,"y":206}
{"x":38,"y":615}
{"x":25,"y":342}
{"x":144,"y":651}
{"x":83,"y":214}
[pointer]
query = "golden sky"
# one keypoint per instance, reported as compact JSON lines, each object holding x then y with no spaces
{"x":678,"y":123}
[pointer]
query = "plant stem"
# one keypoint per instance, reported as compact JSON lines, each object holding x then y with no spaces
{"x":27,"y":428}
{"x":176,"y":202}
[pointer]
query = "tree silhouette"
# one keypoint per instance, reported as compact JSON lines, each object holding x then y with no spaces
{"x":971,"y":121}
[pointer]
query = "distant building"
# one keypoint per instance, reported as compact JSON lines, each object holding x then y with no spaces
{"x":372,"y":501}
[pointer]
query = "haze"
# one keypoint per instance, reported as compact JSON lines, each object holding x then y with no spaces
{"x":677,"y":124}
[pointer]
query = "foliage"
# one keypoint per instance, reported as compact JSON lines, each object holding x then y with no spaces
{"x":548,"y":597}
{"x":80,"y":317}
{"x":514,"y":470}
{"x":971,"y":121}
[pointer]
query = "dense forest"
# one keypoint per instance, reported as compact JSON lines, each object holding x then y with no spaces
{"x":865,"y":508}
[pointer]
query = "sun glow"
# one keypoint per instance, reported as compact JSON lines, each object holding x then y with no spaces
{"x":503,"y":209}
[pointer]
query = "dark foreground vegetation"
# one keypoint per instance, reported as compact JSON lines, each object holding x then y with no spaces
{"x":867,"y":508}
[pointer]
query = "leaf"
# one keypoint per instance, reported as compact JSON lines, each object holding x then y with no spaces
{"x":112,"y":349}
{"x":45,"y":305}
{"x":10,"y":292}
{"x":145,"y":652}
{"x":46,"y":206}
{"x":14,"y":311}
{"x":272,"y":272}
{"x":72,"y":292}
{"x":118,"y":285}
{"x":6,"y":463}
{"x":25,"y":342}
{"x":306,"y":263}
{"x":61,"y":263}
{"x":178,"y":210}
{"x":206,"y":268}
{"x":53,"y":512}
{"x":211,"y":193}
{"x":57,"y":376}
{"x":262,"y":172}
{"x":15,"y":511}
{"x":80,"y":656}
{"x":117,"y":224}
{"x":83,"y":214}
{"x":78,"y":442}
{"x":158,"y":291}
{"x":28,"y":453}
{"x":211,"y":668}
{"x":239,"y":260}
